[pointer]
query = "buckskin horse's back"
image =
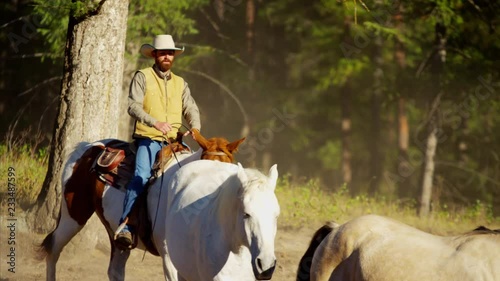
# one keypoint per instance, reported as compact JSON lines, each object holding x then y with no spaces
{"x":374,"y":248}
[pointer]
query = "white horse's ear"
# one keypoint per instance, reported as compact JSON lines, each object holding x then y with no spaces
{"x":273,"y":175}
{"x":241,"y":174}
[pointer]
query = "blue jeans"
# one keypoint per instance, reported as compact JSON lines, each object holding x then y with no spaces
{"x":144,"y":160}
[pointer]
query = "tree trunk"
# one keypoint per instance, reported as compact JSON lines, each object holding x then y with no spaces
{"x":90,"y":94}
{"x":403,"y":162}
{"x":462,"y":146}
{"x":126,"y":122}
{"x":345,"y":129}
{"x":219,"y":7}
{"x":250,"y":37}
{"x":346,"y":133}
{"x":438,"y":62}
{"x":403,"y":165}
{"x":376,"y":162}
{"x":430,"y":151}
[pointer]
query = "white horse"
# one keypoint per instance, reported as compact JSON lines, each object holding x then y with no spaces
{"x":84,"y":194}
{"x":221,"y":222}
{"x":374,"y":248}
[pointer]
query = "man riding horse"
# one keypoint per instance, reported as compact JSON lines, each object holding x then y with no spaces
{"x":158,"y":99}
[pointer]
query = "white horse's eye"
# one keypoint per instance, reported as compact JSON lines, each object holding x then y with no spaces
{"x":246,"y":216}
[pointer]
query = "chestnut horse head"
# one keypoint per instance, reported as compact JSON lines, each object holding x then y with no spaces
{"x":217,"y":148}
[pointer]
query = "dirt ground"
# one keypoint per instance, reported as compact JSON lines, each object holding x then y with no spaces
{"x":90,"y":265}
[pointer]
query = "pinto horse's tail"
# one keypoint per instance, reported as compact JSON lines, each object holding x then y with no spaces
{"x":77,"y":205}
{"x":304,"y":270}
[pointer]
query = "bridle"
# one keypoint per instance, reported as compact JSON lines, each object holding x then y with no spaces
{"x":216,"y":153}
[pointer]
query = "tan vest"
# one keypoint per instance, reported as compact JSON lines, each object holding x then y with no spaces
{"x":162,"y":103}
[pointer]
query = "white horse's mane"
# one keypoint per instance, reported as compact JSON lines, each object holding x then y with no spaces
{"x":233,"y":188}
{"x":228,"y":190}
{"x":256,"y":179}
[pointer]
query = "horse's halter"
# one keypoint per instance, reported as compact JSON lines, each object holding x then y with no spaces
{"x":215,"y":153}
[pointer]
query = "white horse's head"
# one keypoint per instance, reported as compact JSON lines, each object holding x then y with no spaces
{"x":258,"y":215}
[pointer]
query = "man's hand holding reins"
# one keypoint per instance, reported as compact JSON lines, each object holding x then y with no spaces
{"x":163,"y":127}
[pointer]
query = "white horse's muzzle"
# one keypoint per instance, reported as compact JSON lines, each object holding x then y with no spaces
{"x":263,"y":270}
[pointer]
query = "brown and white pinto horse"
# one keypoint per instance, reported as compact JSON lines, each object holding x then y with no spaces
{"x":84,"y":193}
{"x":375,"y":248}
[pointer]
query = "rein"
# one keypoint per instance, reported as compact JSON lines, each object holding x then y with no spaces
{"x":161,"y":184}
{"x":171,"y":148}
{"x":165,"y":139}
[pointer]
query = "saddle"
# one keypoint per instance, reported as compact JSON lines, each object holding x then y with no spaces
{"x":115,"y":164}
{"x":115,"y":167}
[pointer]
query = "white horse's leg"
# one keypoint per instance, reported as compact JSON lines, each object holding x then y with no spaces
{"x":53,"y":244}
{"x":168,"y":269}
{"x":117,"y":262}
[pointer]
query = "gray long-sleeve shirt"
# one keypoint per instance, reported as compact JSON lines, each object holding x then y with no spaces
{"x":137,"y":91}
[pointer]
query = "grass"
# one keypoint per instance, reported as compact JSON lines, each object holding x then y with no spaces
{"x":308,"y":204}
{"x":302,"y":205}
{"x":30,"y":165}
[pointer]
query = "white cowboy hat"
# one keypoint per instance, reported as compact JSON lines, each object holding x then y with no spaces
{"x":161,"y":42}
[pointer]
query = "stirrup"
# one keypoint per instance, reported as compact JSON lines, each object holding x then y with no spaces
{"x":120,"y":228}
{"x":124,"y":241}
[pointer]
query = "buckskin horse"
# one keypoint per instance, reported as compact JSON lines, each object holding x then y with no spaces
{"x":221,"y":222}
{"x":375,"y":248}
{"x":86,"y":190}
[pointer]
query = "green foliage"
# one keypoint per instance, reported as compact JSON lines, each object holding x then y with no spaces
{"x":54,"y":17}
{"x":145,"y":20}
{"x":149,"y":18}
{"x":329,"y":154}
{"x":381,"y":30}
{"x":346,"y":69}
{"x":81,"y":8}
{"x":307,"y":57}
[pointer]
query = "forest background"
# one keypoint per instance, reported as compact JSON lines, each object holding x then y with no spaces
{"x":388,"y":98}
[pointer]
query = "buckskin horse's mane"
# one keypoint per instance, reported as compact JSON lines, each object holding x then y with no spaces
{"x":483,"y":230}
